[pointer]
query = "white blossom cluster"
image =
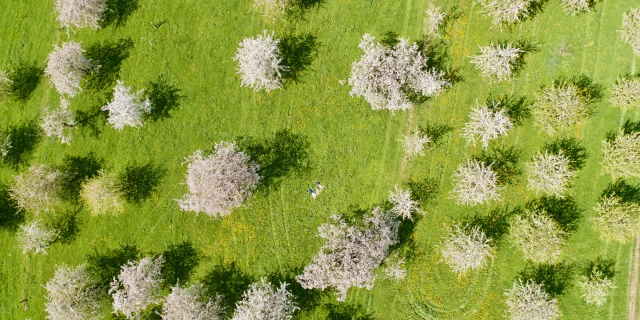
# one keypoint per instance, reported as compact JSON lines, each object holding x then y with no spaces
{"x":102,"y":195}
{"x":616,"y":220}
{"x":504,"y":12}
{"x":138,"y":285}
{"x":72,"y":295}
{"x":466,"y":249}
{"x":538,"y":236}
{"x":271,"y":9}
{"x":383,"y":75}
{"x":549,"y":174}
{"x":5,"y":86}
{"x":625,"y":93}
{"x":58,"y":123}
{"x":80,"y":13}
{"x":37,"y":189}
{"x":630,"y":29}
{"x":434,"y":18}
{"x":403,"y":205}
{"x":36,"y":238}
{"x":262,"y":301}
{"x":415,"y":144}
{"x":475,"y":183}
{"x":529,"y":301}
{"x":596,"y":288}
{"x":351,"y":253}
{"x":574,"y":7}
{"x":260,"y":63}
{"x":497,"y":62}
{"x":621,"y":157}
{"x":5,"y":144}
{"x":126,"y":108}
{"x":66,"y":67}
{"x":219,"y":182}
{"x":486,"y":125}
{"x":190,"y":303}
{"x":560,"y":107}
{"x":395,"y":270}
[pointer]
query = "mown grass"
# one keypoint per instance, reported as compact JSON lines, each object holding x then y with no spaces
{"x":354,"y":151}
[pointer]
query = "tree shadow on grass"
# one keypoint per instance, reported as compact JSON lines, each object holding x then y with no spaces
{"x":67,"y":226}
{"x":565,"y":211}
{"x":138,"y":182}
{"x":592,"y":91}
{"x":527,"y":47}
{"x":75,"y":170}
{"x":504,"y":162}
{"x":439,"y":58}
{"x":517,"y":107}
{"x":107,"y":58}
{"x":407,"y":246}
{"x":607,"y":267}
{"x":423,"y":191}
{"x":92,"y":120}
{"x":228,"y":281}
{"x":436,"y":132}
{"x":554,"y":278}
{"x":299,"y":8}
{"x":347,"y":312}
{"x":535,"y":8}
{"x":306,"y":299}
{"x":570,"y":148}
{"x":298,"y":52}
{"x":117,"y":12}
{"x":179,"y":261}
{"x":164,"y":97}
{"x":622,"y":189}
{"x":495,"y":224}
{"x":106,"y":265}
{"x":24,"y":139}
{"x":25,"y":78}
{"x":10,"y":216}
{"x":284,"y":154}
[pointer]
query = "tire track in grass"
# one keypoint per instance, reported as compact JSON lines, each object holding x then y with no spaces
{"x":617,"y":267}
{"x":633,"y":288}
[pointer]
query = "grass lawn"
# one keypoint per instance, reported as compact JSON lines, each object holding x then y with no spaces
{"x":354,"y":151}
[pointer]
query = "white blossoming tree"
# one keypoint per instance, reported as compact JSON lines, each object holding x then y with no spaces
{"x":395,"y":270}
{"x":621,"y":157}
{"x":505,"y":12}
{"x":529,"y":301}
{"x":433,"y":20}
{"x":465,"y":249}
{"x":616,"y":219}
{"x":539,"y":237}
{"x":127,"y":108}
{"x":403,"y":205}
{"x":102,"y":195}
{"x":5,"y":144}
{"x":475,"y":183}
{"x":58,"y":123}
{"x":414,"y":144}
{"x":191,"y":303}
{"x":497,"y":62}
{"x":138,"y":285}
{"x":272,"y":9}
{"x":260,"y":62}
{"x":630,"y":29}
{"x":66,"y":67}
{"x":486,"y":125}
{"x":595,"y":288}
{"x":351,"y":253}
{"x":5,"y":86}
{"x":262,"y":301}
{"x":383,"y":75}
{"x":561,"y":106}
{"x":72,"y":295}
{"x":625,"y":93}
{"x":549,"y":174}
{"x":37,"y":190}
{"x":220,"y":181}
{"x":574,"y":7}
{"x":80,"y":13}
{"x":34,"y":237}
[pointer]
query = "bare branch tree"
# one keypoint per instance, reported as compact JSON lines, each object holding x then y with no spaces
{"x":34,"y":237}
{"x":219,"y":182}
{"x":72,"y":295}
{"x":260,"y":62}
{"x":126,"y":108}
{"x":475,"y":183}
{"x":37,"y":189}
{"x":549,"y":174}
{"x":351,"y":253}
{"x":58,"y":123}
{"x":621,"y":157}
{"x":616,"y":220}
{"x":102,"y":194}
{"x":539,"y":237}
{"x":630,"y":29}
{"x":486,"y":125}
{"x":505,"y":12}
{"x":190,"y":303}
{"x":80,"y":13}
{"x":625,"y":93}
{"x":138,"y":285}
{"x":596,"y":288}
{"x":403,"y":205}
{"x":559,"y":107}
{"x":465,"y":249}
{"x":528,"y":301}
{"x":497,"y":62}
{"x":383,"y":75}
{"x":433,"y":21}
{"x":414,"y":144}
{"x":66,"y":67}
{"x":262,"y":301}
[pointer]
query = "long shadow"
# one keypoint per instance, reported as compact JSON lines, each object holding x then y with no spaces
{"x":439,"y":58}
{"x":504,"y":162}
{"x":283,"y":154}
{"x":565,"y":211}
{"x":228,"y":281}
{"x":10,"y":215}
{"x":298,"y":52}
{"x":436,"y":132}
{"x":347,"y":312}
{"x":67,"y":226}
{"x":517,"y":107}
{"x":179,"y":261}
{"x":105,"y":265}
{"x":299,"y":8}
{"x":570,"y":148}
{"x":306,"y":300}
{"x":92,"y":120}
{"x":75,"y":170}
{"x":117,"y":12}
{"x":607,"y":267}
{"x":554,"y":278}
{"x":407,"y":246}
{"x":622,"y":189}
{"x":107,"y":57}
{"x":138,"y":182}
{"x":495,"y":224}
{"x":164,"y":97}
{"x":527,"y":47}
{"x":24,"y":139}
{"x":25,"y":78}
{"x":424,"y":191}
{"x":592,"y":91}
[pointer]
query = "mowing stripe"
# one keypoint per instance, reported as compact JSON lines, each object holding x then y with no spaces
{"x":617,"y":267}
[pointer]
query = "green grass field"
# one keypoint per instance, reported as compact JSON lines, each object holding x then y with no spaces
{"x":355,"y":151}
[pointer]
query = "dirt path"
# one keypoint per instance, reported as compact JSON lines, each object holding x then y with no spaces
{"x":633,"y":289}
